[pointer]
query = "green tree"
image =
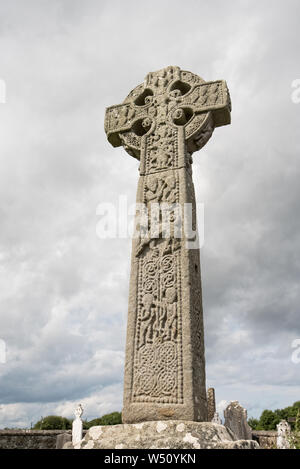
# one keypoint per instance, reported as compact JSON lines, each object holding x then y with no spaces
{"x":53,"y":422}
{"x":254,"y":423}
{"x":296,"y":434}
{"x":268,"y":420}
{"x":297,"y":424}
{"x":287,"y":413}
{"x":114,"y":418}
{"x":85,"y":424}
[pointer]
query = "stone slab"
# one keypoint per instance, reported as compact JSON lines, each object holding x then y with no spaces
{"x":173,"y":434}
{"x":236,"y":420}
{"x":62,"y":439}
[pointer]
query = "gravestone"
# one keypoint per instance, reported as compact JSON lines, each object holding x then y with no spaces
{"x":63,"y":439}
{"x":211,"y":404}
{"x":283,"y":435}
{"x":236,"y":420}
{"x":162,"y":122}
{"x":216,"y":419}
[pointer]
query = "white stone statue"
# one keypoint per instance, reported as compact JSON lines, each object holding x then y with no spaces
{"x":283,"y":435}
{"x":77,"y":426}
{"x":216,"y":419}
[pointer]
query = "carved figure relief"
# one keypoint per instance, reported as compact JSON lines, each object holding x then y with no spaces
{"x":158,"y":347}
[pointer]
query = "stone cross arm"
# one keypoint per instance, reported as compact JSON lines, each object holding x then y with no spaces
{"x":121,"y":118}
{"x":211,"y":96}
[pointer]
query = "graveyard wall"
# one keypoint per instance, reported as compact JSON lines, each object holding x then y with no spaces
{"x":46,"y":439}
{"x":265,"y":439}
{"x":29,"y":439}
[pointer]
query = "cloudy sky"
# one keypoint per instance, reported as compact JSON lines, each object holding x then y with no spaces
{"x":64,"y":291}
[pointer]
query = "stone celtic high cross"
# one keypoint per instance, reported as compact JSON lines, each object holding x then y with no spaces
{"x":162,"y":123}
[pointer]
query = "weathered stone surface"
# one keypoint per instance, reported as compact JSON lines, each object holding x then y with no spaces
{"x":211,"y":404}
{"x":162,"y":123}
{"x":163,"y":435}
{"x":62,"y":439}
{"x":265,"y":439}
{"x":30,"y":439}
{"x":283,"y":435}
{"x":236,"y":420}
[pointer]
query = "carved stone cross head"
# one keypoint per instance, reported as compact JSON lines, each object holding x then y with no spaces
{"x":171,"y":103}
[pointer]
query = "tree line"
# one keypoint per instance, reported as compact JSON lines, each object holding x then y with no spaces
{"x":270,"y":418}
{"x":55,"y":422}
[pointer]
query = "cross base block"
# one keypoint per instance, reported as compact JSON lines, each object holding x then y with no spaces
{"x":173,"y":434}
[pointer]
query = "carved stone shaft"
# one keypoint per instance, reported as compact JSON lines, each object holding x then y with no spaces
{"x":161,"y":123}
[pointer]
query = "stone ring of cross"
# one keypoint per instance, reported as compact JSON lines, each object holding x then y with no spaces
{"x":169,"y":98}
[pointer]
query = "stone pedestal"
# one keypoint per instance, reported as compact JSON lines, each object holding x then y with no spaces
{"x":173,"y":434}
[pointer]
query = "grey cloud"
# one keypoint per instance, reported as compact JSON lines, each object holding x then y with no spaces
{"x":63,"y":300}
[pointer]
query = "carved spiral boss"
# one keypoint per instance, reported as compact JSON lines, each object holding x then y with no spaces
{"x":162,"y":123}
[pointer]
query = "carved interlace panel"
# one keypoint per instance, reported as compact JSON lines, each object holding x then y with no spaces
{"x":158,"y":341}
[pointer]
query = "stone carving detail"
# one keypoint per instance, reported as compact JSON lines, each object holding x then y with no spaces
{"x":199,"y":138}
{"x":162,"y":123}
{"x":131,"y":143}
{"x":208,"y":94}
{"x":158,"y":348}
{"x":162,"y":151}
{"x":162,"y":78}
{"x":169,"y":96}
{"x":161,"y":189}
{"x":120,"y":117}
